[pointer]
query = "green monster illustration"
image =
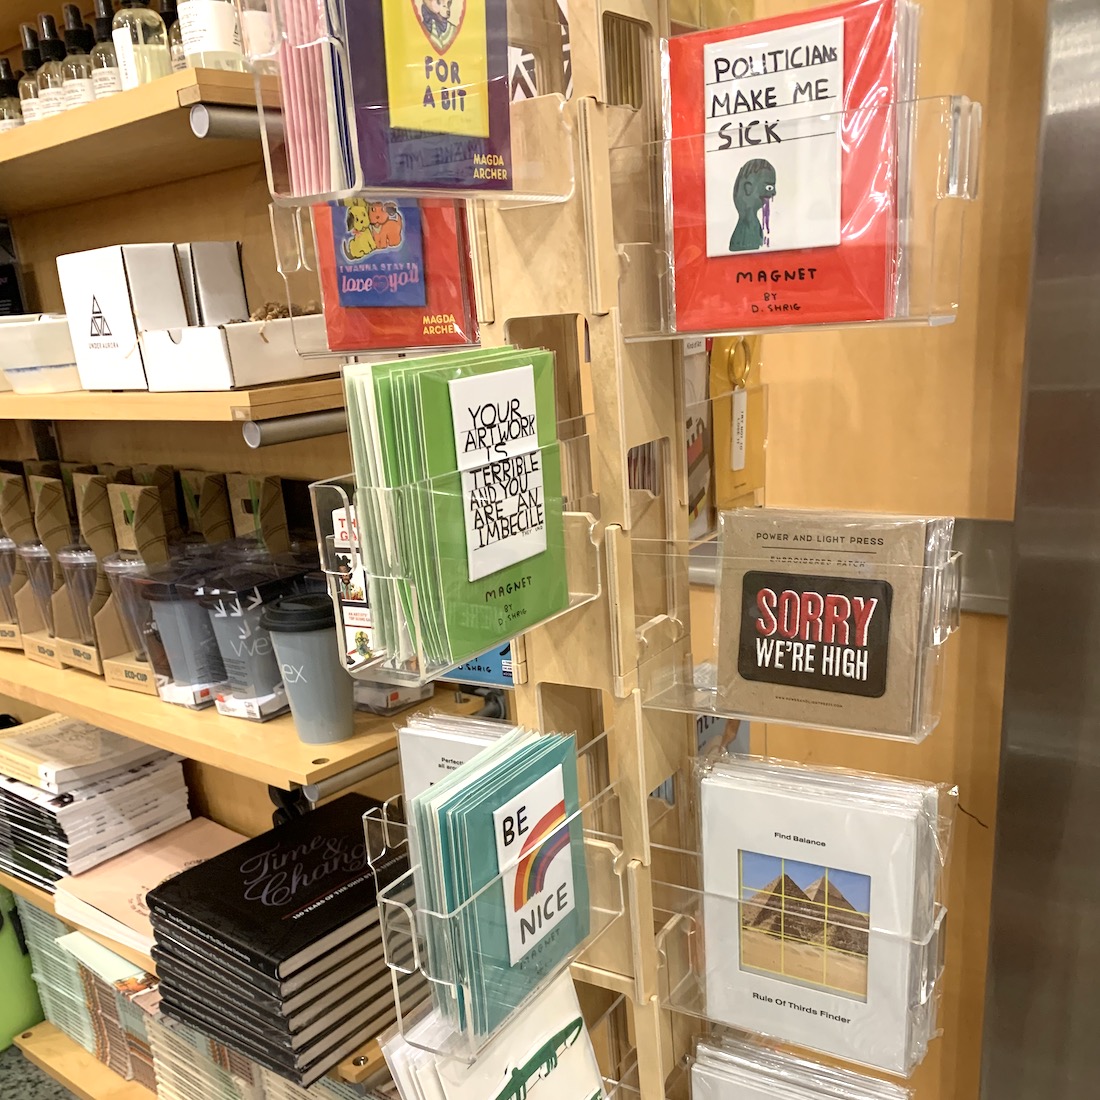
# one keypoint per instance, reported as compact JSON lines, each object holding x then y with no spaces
{"x":541,"y":1064}
{"x":753,"y":191}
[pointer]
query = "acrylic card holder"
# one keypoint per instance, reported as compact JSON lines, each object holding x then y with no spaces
{"x":366,"y":96}
{"x":823,"y":633}
{"x":392,"y":275}
{"x":896,"y":253}
{"x":811,"y":911}
{"x":429,"y":575}
{"x":453,"y":951}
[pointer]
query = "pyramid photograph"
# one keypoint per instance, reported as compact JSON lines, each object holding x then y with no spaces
{"x":805,"y":923}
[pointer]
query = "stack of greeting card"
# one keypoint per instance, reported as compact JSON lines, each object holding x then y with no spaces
{"x":728,"y":1068}
{"x":459,"y":504}
{"x":432,"y":746}
{"x":498,"y":854}
{"x":544,"y":1054}
{"x":394,"y":273}
{"x":821,"y":906}
{"x":789,"y":167}
{"x":831,"y":618}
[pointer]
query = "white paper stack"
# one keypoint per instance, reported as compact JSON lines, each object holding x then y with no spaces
{"x":434,"y":745}
{"x":821,"y":906}
{"x":191,"y":1066}
{"x":726,"y":1068}
{"x":46,"y":835}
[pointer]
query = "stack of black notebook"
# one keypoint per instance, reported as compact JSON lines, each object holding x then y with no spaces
{"x":275,"y":947}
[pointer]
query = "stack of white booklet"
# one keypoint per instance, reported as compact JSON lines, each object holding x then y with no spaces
{"x":45,"y":835}
{"x":726,"y":1068}
{"x":432,"y":746}
{"x":544,"y":1053}
{"x":821,"y":906}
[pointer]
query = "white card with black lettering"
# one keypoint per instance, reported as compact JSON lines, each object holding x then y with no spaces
{"x":810,"y":910}
{"x":771,"y":108}
{"x":496,"y":443}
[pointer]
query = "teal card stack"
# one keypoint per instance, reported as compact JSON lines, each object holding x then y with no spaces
{"x":499,"y":853}
{"x":459,"y":501}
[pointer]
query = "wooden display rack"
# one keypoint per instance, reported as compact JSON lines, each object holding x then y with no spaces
{"x":890,"y":420}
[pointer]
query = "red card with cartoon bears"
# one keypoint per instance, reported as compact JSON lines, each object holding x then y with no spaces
{"x":395,"y":273}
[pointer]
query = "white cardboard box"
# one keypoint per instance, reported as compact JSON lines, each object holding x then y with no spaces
{"x":230,"y":356}
{"x":112,"y":294}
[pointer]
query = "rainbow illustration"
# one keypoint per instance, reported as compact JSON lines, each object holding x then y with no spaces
{"x":547,"y":840}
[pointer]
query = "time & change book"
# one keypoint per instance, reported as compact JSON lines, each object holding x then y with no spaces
{"x":820,"y":906}
{"x":281,"y":900}
{"x":394,"y":273}
{"x":789,"y":166}
{"x":826,"y":618}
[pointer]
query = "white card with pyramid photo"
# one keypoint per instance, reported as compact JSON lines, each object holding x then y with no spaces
{"x":810,"y":906}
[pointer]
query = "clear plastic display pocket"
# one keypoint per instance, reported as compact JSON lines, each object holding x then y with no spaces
{"x":708,"y":247}
{"x":811,"y":910}
{"x":364,"y":96}
{"x":822,"y":619}
{"x":429,"y":575}
{"x":480,"y":963}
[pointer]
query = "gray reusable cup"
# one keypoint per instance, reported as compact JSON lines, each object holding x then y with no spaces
{"x":80,"y":570}
{"x":39,"y":565}
{"x":7,"y":572}
{"x":184,"y":626}
{"x":234,"y":599}
{"x":320,"y":690}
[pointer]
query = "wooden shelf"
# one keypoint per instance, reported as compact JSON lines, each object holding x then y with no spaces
{"x":269,"y":752}
{"x":134,"y":140}
{"x":43,"y":899}
{"x":259,"y":403}
{"x":80,"y":1072}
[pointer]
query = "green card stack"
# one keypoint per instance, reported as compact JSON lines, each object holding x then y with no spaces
{"x":498,"y":854}
{"x":459,"y":501}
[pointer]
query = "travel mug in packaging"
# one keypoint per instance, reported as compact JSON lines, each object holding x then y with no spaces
{"x":184,"y":626}
{"x":78,"y":567}
{"x":7,"y":572}
{"x":303,"y":629}
{"x":39,"y":565}
{"x":234,"y":600}
{"x":123,"y":570}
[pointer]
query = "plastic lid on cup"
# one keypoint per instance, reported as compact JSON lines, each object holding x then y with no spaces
{"x":299,"y":614}
{"x":7,"y":546}
{"x":33,"y":551}
{"x":174,"y":584}
{"x":76,"y":554}
{"x":123,"y":563}
{"x":268,"y":581}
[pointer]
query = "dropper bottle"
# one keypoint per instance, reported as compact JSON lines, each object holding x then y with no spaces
{"x":170,"y":15}
{"x":11,"y":113}
{"x":51,"y":97}
{"x":76,"y":69}
{"x":105,"y":78}
{"x":28,"y":83}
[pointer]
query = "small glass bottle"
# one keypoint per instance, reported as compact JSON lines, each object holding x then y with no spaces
{"x":211,"y":34}
{"x":28,"y":83}
{"x":175,"y":35}
{"x":11,"y":112}
{"x":257,"y":30}
{"x":141,"y":44}
{"x":51,"y":96}
{"x":76,"y":69}
{"x":105,"y":79}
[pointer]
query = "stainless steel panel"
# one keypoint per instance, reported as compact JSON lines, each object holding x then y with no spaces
{"x":1043,"y":997}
